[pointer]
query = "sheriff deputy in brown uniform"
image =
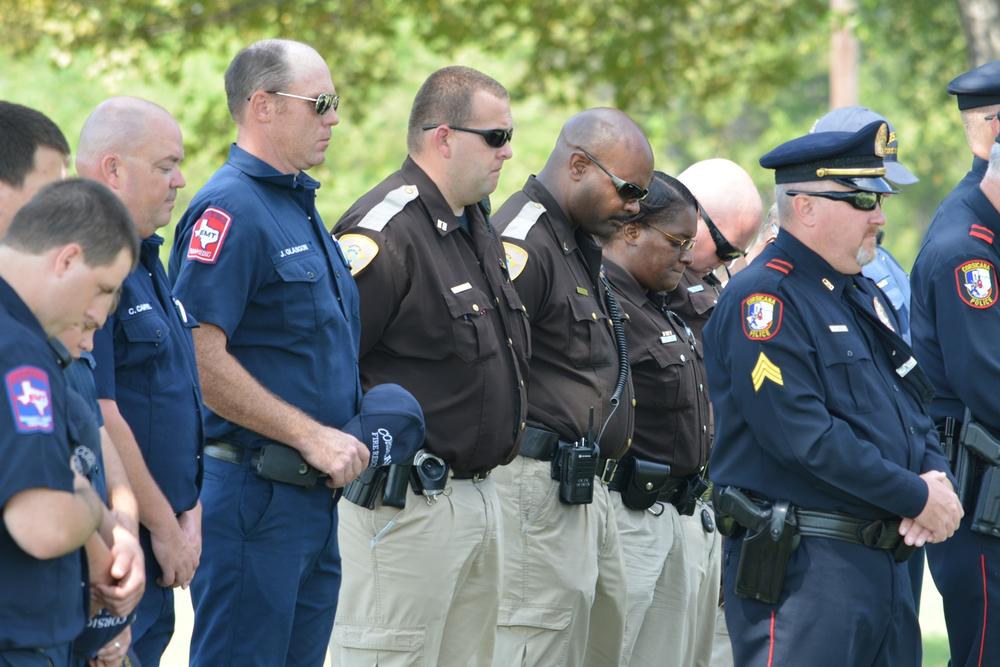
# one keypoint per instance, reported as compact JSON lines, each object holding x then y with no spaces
{"x":661,"y":473}
{"x":564,"y":592}
{"x":729,"y":216}
{"x":441,"y":318}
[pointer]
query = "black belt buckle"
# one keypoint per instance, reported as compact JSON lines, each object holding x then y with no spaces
{"x":607,"y":470}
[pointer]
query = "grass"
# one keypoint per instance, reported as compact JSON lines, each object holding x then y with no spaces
{"x":936,"y":651}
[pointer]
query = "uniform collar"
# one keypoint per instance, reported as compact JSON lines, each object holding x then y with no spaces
{"x":807,"y":262}
{"x":255,"y":168}
{"x":625,"y":282}
{"x":979,"y":166}
{"x":984,"y":209}
{"x":441,"y":215}
{"x":18,"y":309}
{"x":561,"y":227}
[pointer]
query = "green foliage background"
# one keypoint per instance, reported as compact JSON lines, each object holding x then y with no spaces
{"x":706,"y":78}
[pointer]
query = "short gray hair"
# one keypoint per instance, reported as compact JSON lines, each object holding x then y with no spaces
{"x":261,"y":66}
{"x":994,"y":168}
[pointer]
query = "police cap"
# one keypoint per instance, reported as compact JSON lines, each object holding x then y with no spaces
{"x":979,"y":87}
{"x":854,"y":159}
{"x":390,"y":423}
{"x":851,"y":119}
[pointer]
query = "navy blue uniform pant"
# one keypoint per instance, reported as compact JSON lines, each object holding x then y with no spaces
{"x":154,"y":616}
{"x":966,"y":570}
{"x":842,"y":604}
{"x":266,"y":590}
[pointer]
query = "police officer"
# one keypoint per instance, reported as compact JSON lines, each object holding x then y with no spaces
{"x":61,"y":262}
{"x":440,"y":317}
{"x":824,"y":458}
{"x":277,"y":356}
{"x":659,"y":477}
{"x":563,"y":592}
{"x":954,"y":317}
{"x":146,"y":376}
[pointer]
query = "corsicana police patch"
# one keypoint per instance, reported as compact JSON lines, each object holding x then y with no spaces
{"x":761,"y":316}
{"x":976,"y":282}
{"x":517,"y":259}
{"x":359,"y":250}
{"x":30,"y":399}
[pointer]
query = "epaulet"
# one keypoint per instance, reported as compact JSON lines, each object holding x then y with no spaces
{"x":524,"y":221}
{"x":394,"y":202}
{"x":780,"y":265}
{"x":981,"y":233}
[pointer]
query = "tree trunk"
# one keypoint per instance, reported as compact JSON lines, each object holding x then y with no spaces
{"x":844,"y":57}
{"x":981,"y":25}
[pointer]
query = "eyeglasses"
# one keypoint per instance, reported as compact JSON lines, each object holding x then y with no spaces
{"x":495,"y":138}
{"x":685,"y":245}
{"x":626,"y":189}
{"x":724,"y":250}
{"x":859,"y":199}
{"x":324,"y":102}
{"x":990,"y":117}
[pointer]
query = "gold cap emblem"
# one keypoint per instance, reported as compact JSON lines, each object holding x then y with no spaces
{"x":881,"y":139}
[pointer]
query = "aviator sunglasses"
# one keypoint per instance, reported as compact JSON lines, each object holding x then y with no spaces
{"x":627,"y":190}
{"x":685,"y":245}
{"x":495,"y":138}
{"x":323,"y":103}
{"x":724,"y":250}
{"x":859,"y":199}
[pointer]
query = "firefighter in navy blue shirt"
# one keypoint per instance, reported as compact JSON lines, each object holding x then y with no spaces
{"x":146,"y":376}
{"x":826,"y":465}
{"x":61,"y":262}
{"x":277,"y":351}
{"x":954,"y":314}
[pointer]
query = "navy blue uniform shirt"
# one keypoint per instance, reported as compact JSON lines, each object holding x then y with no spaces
{"x":41,"y":601}
{"x":251,"y":257}
{"x":808,"y":405}
{"x":145,"y":362}
{"x":956,"y":318}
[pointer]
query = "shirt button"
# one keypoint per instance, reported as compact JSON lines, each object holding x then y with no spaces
{"x":628,"y":442}
{"x":475,"y":308}
{"x":895,"y":388}
{"x":522,"y":426}
{"x":522,"y":382}
{"x":510,"y":343}
{"x":850,"y":353}
{"x":683,"y":358}
{"x":310,"y":275}
{"x":159,"y":334}
{"x":704,"y":428}
{"x":701,"y":387}
{"x":912,"y":430}
{"x":496,"y":300}
{"x":633,"y":402}
{"x":593,"y":316}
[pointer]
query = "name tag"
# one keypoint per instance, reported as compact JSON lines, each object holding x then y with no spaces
{"x":294,"y":250}
{"x":694,"y":289}
{"x":140,"y":308}
{"x":458,"y":289}
{"x":838,"y":328}
{"x":668,"y":337}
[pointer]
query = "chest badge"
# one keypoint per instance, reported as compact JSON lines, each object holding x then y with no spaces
{"x":30,"y":399}
{"x":359,"y":251}
{"x":976,"y":283}
{"x":517,"y":259}
{"x":761,"y":316}
{"x":882,"y":315}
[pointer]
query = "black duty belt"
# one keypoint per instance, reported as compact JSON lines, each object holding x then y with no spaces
{"x":223,"y":451}
{"x":882,"y":534}
{"x":474,"y":476}
{"x":671,"y":493}
{"x":537,"y":443}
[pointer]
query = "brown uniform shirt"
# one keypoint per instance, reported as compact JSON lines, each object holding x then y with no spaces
{"x":574,"y":363}
{"x":695,"y":299}
{"x":440,"y":317}
{"x":668,"y":373}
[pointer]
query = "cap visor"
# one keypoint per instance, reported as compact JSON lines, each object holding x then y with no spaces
{"x":868,"y":184}
{"x":898,"y":174}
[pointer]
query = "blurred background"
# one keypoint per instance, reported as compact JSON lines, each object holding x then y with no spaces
{"x":705,"y":78}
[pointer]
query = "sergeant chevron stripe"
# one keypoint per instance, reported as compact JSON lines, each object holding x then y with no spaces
{"x":765,"y":369}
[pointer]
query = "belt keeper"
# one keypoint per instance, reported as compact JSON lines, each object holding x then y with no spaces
{"x":608,"y":472}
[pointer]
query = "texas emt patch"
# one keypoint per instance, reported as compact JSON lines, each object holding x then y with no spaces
{"x":976,"y":283}
{"x":30,"y":399}
{"x":208,"y":235}
{"x":761,"y":316}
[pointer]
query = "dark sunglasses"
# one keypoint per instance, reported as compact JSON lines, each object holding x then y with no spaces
{"x":724,"y":250}
{"x":626,"y":189}
{"x":685,"y":245}
{"x":494,"y":138}
{"x":859,"y":199}
{"x":324,"y":102}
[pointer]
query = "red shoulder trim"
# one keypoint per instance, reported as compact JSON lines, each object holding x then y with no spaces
{"x":780,"y":265}
{"x":981,"y":233}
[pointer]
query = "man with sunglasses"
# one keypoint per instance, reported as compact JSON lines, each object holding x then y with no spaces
{"x":955,"y":319}
{"x":277,"y":355}
{"x":564,"y":592}
{"x":440,"y":317}
{"x":826,"y":465}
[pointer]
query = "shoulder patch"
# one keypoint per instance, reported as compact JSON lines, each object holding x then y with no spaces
{"x":359,"y":250}
{"x":761,"y":316}
{"x":780,"y":265}
{"x":524,"y":221}
{"x":976,"y":283}
{"x":208,"y":235}
{"x":394,"y":202}
{"x":30,"y":399}
{"x":517,"y":259}
{"x":981,"y":233}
